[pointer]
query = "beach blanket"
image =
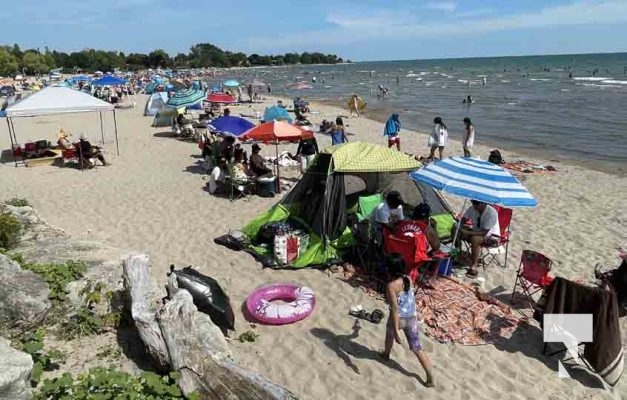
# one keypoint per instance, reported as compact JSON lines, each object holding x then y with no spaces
{"x":605,"y":353}
{"x":528,"y":167}
{"x":456,"y":313}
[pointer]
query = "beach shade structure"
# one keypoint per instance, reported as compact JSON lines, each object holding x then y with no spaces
{"x":80,"y":78}
{"x":55,"y":100}
{"x":300,"y":86}
{"x":109,"y":80}
{"x":276,"y":113}
{"x":276,"y":132}
{"x":231,"y":83}
{"x":219,"y":97}
{"x":476,"y":180}
{"x":343,"y":181}
{"x":178,"y":84}
{"x":186,"y":97}
{"x":155,"y":102}
{"x":229,"y":125}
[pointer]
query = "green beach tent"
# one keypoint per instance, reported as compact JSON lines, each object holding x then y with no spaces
{"x":344,"y":180}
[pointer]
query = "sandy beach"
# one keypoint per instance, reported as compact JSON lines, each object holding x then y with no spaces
{"x":153,"y":199}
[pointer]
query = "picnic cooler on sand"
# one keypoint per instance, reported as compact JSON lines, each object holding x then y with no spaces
{"x":288,"y":247}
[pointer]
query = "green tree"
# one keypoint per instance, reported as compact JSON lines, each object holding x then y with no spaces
{"x":34,"y":63}
{"x":305,"y":58}
{"x":159,"y":58}
{"x":291,"y":58}
{"x":8,"y":62}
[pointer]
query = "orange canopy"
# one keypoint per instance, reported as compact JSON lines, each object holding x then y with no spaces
{"x":276,"y":131}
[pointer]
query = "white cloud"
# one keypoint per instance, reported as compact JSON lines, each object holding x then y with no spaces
{"x":355,"y":27}
{"x":447,"y":6}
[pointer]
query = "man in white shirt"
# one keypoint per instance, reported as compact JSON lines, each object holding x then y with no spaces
{"x":485,"y":231}
{"x":387,"y":213}
{"x":217,"y":179}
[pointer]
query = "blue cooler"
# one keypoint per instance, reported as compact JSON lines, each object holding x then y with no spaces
{"x":446,"y":267}
{"x":266,"y":186}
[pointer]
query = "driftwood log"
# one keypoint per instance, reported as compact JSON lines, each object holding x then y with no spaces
{"x":190,"y":342}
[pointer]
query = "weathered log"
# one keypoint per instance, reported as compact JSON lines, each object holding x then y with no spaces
{"x":190,"y":342}
{"x":141,"y":290}
{"x":198,"y":349}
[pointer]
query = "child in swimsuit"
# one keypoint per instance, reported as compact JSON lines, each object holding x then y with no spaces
{"x":403,"y":315}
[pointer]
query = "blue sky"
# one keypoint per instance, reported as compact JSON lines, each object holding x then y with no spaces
{"x":355,"y":29}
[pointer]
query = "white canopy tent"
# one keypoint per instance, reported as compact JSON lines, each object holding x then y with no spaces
{"x":55,"y":100}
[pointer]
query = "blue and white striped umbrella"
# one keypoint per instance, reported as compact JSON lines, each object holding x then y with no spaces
{"x":476,"y":180}
{"x":186,"y":98}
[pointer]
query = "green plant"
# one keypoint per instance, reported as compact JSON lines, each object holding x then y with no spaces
{"x":58,"y":275}
{"x":109,"y":384}
{"x":10,"y":230}
{"x":87,"y":321}
{"x":248,"y":336}
{"x":33,"y":344}
{"x":111,"y":352}
{"x":17,"y":202}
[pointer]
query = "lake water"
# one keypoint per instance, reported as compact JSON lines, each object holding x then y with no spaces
{"x":528,"y":103}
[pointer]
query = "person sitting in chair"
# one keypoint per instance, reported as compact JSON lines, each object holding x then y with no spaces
{"x":64,"y":141}
{"x":87,"y":151}
{"x":257,"y":162}
{"x":421,"y":222}
{"x":484,"y":231}
{"x":239,"y":170}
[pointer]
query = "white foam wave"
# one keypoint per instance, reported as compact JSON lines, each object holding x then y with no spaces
{"x":599,"y":86}
{"x":504,"y":81}
{"x":565,"y":90}
{"x":614,"y":82}
{"x":540,"y":79}
{"x":590,"y":78}
{"x":411,"y":75}
{"x":418,"y":79}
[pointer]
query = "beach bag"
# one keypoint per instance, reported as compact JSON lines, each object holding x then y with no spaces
{"x":286,"y":248}
{"x":495,"y":157}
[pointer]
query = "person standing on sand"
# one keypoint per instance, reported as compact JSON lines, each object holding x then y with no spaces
{"x":403,"y":315}
{"x":392,"y":130}
{"x":354,"y":105}
{"x":338,"y":132}
{"x":469,"y":139}
{"x":438,"y":138}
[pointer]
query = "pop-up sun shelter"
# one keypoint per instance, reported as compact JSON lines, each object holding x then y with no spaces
{"x":55,"y":100}
{"x":331,"y":188}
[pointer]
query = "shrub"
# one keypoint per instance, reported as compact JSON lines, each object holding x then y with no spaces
{"x":33,"y":344}
{"x":58,"y":275}
{"x":10,"y":230}
{"x":110,"y":384}
{"x":17,"y":202}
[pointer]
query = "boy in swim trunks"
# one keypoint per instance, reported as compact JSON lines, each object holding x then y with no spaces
{"x":403,"y":315}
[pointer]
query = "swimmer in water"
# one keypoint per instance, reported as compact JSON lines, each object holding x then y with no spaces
{"x":468,"y":100}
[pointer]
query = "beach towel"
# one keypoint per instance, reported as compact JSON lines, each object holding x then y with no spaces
{"x":605,"y":353}
{"x":392,"y":126}
{"x":456,"y":313}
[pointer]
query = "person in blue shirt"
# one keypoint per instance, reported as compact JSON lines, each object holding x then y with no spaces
{"x":338,"y":132}
{"x":392,"y":130}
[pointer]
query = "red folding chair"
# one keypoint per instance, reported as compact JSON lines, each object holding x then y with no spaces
{"x":532,"y":275}
{"x":491,"y":253}
{"x":414,"y":250}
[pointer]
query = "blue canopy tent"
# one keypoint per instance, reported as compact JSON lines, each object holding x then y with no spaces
{"x":228,"y":125}
{"x":109,"y":80}
{"x":276,"y":113}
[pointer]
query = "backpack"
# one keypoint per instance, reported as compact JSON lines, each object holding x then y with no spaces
{"x":496,"y":157}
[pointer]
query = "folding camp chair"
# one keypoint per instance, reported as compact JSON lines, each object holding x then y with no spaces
{"x":490,"y":254}
{"x":532,"y":275}
{"x":414,"y":250}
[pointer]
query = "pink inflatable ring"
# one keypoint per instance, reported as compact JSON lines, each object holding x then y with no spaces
{"x":299,"y":303}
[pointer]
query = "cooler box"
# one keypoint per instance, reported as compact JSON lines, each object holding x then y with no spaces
{"x":446,"y":267}
{"x":266,"y":186}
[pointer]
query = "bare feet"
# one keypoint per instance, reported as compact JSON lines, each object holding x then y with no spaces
{"x":384,"y":357}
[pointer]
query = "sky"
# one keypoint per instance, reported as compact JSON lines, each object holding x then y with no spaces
{"x":360,"y":30}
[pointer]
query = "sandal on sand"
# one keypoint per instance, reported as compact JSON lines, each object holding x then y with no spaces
{"x":376,"y":316}
{"x":363,"y":314}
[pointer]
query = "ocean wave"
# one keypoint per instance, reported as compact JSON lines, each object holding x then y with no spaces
{"x":614,"y":81}
{"x":540,"y":79}
{"x":411,"y":75}
{"x":504,"y":81}
{"x":565,"y":90}
{"x":599,"y":86}
{"x":590,"y":78}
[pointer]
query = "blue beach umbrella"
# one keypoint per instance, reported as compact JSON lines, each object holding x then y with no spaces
{"x":229,"y":125}
{"x":476,"y":180}
{"x":276,"y":113}
{"x":109,"y":80}
{"x":185,"y":98}
{"x":231,"y":83}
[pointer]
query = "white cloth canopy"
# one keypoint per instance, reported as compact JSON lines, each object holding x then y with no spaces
{"x":57,"y":100}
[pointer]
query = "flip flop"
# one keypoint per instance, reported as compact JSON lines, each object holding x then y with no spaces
{"x":363,"y":314}
{"x":376,"y":316}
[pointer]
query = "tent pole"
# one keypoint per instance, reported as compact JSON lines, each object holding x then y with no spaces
{"x":457,"y":229}
{"x":13,"y":142}
{"x":115,"y":124}
{"x":278,"y":168}
{"x":101,"y":128}
{"x":10,"y":135}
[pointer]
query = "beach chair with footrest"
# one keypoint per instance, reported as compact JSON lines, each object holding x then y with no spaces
{"x":532,"y":275}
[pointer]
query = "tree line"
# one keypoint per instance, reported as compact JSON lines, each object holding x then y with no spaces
{"x":33,"y":61}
